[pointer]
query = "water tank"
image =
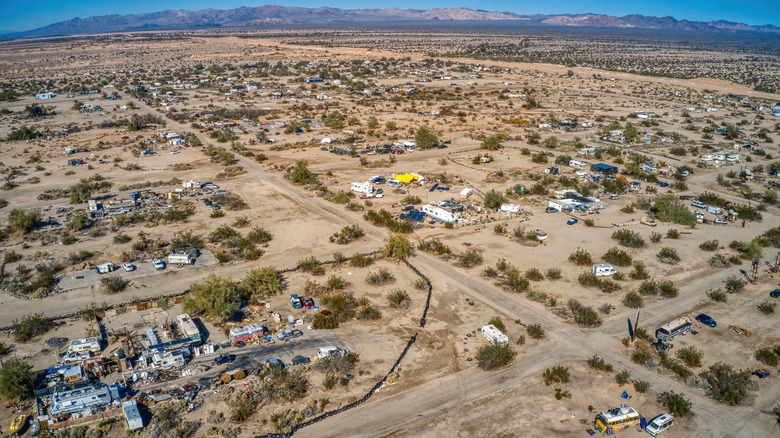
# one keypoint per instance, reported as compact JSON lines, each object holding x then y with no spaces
{"x":623,"y":409}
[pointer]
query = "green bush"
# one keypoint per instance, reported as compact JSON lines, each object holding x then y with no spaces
{"x":628,"y":238}
{"x":632,"y":299}
{"x":556,"y":374}
{"x":617,"y":257}
{"x":398,"y":299}
{"x":691,"y":356}
{"x":641,"y":386}
{"x":434,"y":246}
{"x":534,"y":274}
{"x":669,"y":256}
{"x":30,"y":326}
{"x":581,"y":257}
{"x":672,"y":233}
{"x":767,"y":356}
{"x":668,"y":208}
{"x":598,"y":363}
{"x":734,"y":284}
{"x":583,"y":315}
{"x":675,"y":403}
{"x":709,"y":245}
{"x":767,"y":308}
{"x":497,"y":323}
{"x":553,"y":273}
{"x":535,"y":331}
{"x":382,"y":276}
{"x":726,"y":384}
{"x":492,"y":356}
{"x":717,"y":295}
{"x":114,"y":284}
{"x":639,"y":272}
{"x":470,"y":258}
{"x":655,"y":237}
{"x":622,"y":377}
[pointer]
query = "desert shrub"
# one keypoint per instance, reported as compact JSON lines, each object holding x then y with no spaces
{"x":553,"y":273}
{"x":641,"y":386}
{"x":717,"y":295}
{"x":767,"y":308}
{"x":720,"y":261}
{"x":589,"y":279}
{"x":726,"y":384}
{"x":597,"y":363}
{"x":381,"y":276}
{"x":669,"y":256}
{"x":360,"y":260}
{"x":767,"y":356}
{"x":675,"y":403}
{"x":672,"y":233}
{"x":497,"y":323}
{"x":632,"y":299}
{"x":709,"y":245}
{"x":655,"y":237}
{"x":535,"y":331}
{"x":639,"y":272}
{"x":534,"y":274}
{"x":628,"y":238}
{"x":628,"y":209}
{"x":491,"y":356}
{"x":583,"y":315}
{"x":691,"y":356}
{"x":556,"y":374}
{"x":114,"y":284}
{"x":259,"y":236}
{"x":667,"y":289}
{"x":30,"y":326}
{"x":581,"y":257}
{"x":398,"y":299}
{"x":329,"y":381}
{"x":617,"y":257}
{"x":434,"y":246}
{"x":734,"y":284}
{"x":640,"y":356}
{"x":411,"y":200}
{"x":622,"y":377}
{"x":470,"y":258}
{"x":122,"y":238}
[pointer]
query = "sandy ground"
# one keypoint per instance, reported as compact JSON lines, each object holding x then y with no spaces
{"x":440,"y":391}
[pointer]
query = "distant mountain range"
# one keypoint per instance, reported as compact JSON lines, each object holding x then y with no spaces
{"x":263,"y":16}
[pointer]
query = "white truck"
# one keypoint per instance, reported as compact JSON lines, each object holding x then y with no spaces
{"x":181,"y":259}
{"x":332,"y":351}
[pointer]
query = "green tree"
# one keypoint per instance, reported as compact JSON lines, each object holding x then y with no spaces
{"x":425,"y":138}
{"x":731,"y":132}
{"x":373,"y":123}
{"x":494,"y":199}
{"x":301,"y":174}
{"x":78,"y":221}
{"x":491,"y":143}
{"x":291,"y":128}
{"x":630,"y":132}
{"x":334,"y":120}
{"x":16,"y":379}
{"x":492,"y":356}
{"x":262,"y":282}
{"x":20,"y":220}
{"x":675,"y":403}
{"x":397,"y":247}
{"x":216,"y":298}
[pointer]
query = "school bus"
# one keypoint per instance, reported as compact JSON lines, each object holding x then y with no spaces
{"x":616,"y":419}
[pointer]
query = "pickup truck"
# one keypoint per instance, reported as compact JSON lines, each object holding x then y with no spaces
{"x":224,"y":358}
{"x":295,"y":301}
{"x":288,"y":334}
{"x":70,"y":359}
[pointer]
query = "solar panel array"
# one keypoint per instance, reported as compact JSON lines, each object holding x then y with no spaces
{"x":414,"y":215}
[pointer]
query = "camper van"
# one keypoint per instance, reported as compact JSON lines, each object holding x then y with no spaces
{"x":698,"y":204}
{"x":332,"y":351}
{"x":673,"y":329}
{"x":494,"y":335}
{"x":603,"y":270}
{"x":78,"y":346}
{"x":713,"y":210}
{"x":362,"y":187}
{"x":660,"y":424}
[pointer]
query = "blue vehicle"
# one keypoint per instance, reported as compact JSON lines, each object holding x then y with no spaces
{"x":572,"y":221}
{"x":775,"y":293}
{"x":706,"y":320}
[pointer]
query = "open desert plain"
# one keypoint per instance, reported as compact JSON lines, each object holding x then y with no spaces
{"x":348,"y":232}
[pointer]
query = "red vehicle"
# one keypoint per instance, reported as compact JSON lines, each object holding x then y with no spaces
{"x":308,"y":302}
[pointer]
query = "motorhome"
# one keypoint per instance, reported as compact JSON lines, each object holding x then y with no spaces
{"x":603,"y":270}
{"x":181,"y":258}
{"x":673,"y":329}
{"x":78,"y":346}
{"x":660,"y":424}
{"x":494,"y":335}
{"x":331,"y":351}
{"x":246,"y":332}
{"x":168,"y":359}
{"x":616,"y":419}
{"x":188,"y":327}
{"x":362,"y":187}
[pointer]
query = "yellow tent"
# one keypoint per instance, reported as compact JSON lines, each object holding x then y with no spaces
{"x":406,"y":178}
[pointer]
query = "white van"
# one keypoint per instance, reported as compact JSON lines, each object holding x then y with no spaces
{"x":713,"y":210}
{"x":332,"y":351}
{"x":660,"y":424}
{"x":603,"y":270}
{"x":699,"y":204}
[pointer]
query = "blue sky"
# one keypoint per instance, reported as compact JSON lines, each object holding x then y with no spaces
{"x":30,"y":14}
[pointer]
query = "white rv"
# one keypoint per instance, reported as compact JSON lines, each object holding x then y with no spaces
{"x":332,"y":351}
{"x":603,"y":270}
{"x":465,"y":193}
{"x":363,"y":187}
{"x":494,"y":335}
{"x":182,"y":258}
{"x":78,"y":346}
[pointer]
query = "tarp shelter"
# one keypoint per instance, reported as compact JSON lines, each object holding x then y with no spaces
{"x":406,"y":178}
{"x":603,"y":168}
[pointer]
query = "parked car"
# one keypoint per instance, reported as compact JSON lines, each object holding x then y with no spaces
{"x":762,"y":373}
{"x":572,"y":221}
{"x":215,"y":206}
{"x":285,"y":334}
{"x":300,"y":360}
{"x":296,"y":333}
{"x":551,"y":210}
{"x":128,"y":267}
{"x":239,"y":344}
{"x":224,"y":358}
{"x":706,"y":320}
{"x":206,"y":201}
{"x":721,"y":221}
{"x":648,"y":221}
{"x":775,"y":293}
{"x":158,"y":264}
{"x":274,"y":363}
